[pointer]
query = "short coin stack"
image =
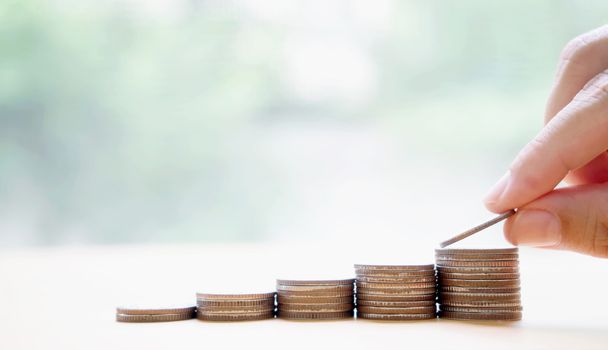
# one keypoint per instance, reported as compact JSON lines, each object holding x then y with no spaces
{"x":235,"y":307}
{"x":396,"y":293}
{"x":315,"y":300}
{"x":479,"y":284}
{"x":126,"y":314}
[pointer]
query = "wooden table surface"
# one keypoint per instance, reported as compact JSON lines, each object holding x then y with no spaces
{"x":65,"y":298}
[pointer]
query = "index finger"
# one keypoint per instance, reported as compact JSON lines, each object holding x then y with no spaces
{"x":575,"y":136}
{"x":581,"y":59}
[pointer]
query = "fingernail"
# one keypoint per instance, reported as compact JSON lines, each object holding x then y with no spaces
{"x":497,"y":191}
{"x":533,"y":227}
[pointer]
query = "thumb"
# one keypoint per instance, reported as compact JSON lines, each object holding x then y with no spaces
{"x":573,"y":218}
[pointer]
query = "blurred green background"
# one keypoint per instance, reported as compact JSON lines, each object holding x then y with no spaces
{"x":182,"y":121}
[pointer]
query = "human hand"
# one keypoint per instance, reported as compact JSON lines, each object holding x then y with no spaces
{"x":573,"y":146}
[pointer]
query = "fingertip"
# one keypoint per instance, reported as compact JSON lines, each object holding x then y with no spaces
{"x":495,"y":207}
{"x":493,"y":199}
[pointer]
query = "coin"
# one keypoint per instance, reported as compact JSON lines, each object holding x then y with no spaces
{"x":396,"y":317}
{"x":395,"y":297}
{"x":397,"y":280}
{"x":290,"y":315}
{"x":477,"y":269}
{"x":315,"y":282}
{"x":401,"y":268}
{"x":400,"y":286}
{"x":488,"y":310}
{"x":235,"y":303}
{"x":234,"y":318}
{"x":479,"y":283}
{"x":459,"y":296}
{"x":155,"y":311}
{"x":240,"y":311}
{"x":315,"y":300}
{"x":482,"y":304}
{"x":449,"y":251}
{"x":478,"y":264}
{"x":207,"y":296}
{"x":393,"y":273}
{"x":396,"y":310}
{"x":383,"y":303}
{"x":477,"y":228}
{"x":501,"y":257}
{"x":479,"y":276}
{"x":154,"y":317}
{"x":478,"y":290}
{"x":315,"y":289}
{"x":316,"y":294}
{"x":385,"y":291}
{"x":317,"y":307}
{"x":509,"y":316}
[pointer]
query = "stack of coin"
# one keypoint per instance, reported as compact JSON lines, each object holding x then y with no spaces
{"x":479,"y":284}
{"x":396,"y":293}
{"x":235,"y":307}
{"x":128,"y":314}
{"x":315,"y":300}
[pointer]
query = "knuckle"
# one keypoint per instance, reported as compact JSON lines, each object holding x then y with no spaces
{"x":573,"y":48}
{"x":601,"y":81}
{"x":577,"y":49}
{"x":597,"y":88}
{"x":597,"y":225}
{"x":600,"y":242}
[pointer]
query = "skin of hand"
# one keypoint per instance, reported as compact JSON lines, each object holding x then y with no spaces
{"x":572,"y":146}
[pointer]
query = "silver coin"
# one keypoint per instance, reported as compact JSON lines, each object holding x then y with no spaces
{"x":396,"y":317}
{"x":377,"y":303}
{"x":236,"y":317}
{"x":401,"y":286}
{"x":315,"y":282}
{"x":443,"y":289}
{"x":392,"y":297}
{"x":398,"y":280}
{"x":154,"y":317}
{"x":311,"y":316}
{"x":396,"y":310}
{"x":156,"y":311}
{"x":451,"y":251}
{"x":479,"y":283}
{"x":482,"y":304}
{"x":394,"y":273}
{"x":401,"y":268}
{"x":395,"y":292}
{"x":316,"y":308}
{"x":478,"y":276}
{"x":480,"y":296}
{"x":478,"y":316}
{"x":486,"y":310}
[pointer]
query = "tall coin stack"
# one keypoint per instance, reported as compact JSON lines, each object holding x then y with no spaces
{"x":479,"y":284}
{"x":235,"y":307}
{"x":315,"y":300}
{"x":396,"y":293}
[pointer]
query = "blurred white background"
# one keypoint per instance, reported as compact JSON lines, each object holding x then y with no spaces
{"x":132,"y":121}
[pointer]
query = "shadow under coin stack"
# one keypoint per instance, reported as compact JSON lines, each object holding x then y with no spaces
{"x":479,"y":284}
{"x":315,"y":300}
{"x":124,"y":314}
{"x":235,"y":307}
{"x":396,"y":293}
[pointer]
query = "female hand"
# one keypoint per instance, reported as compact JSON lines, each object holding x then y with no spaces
{"x":573,"y":146}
